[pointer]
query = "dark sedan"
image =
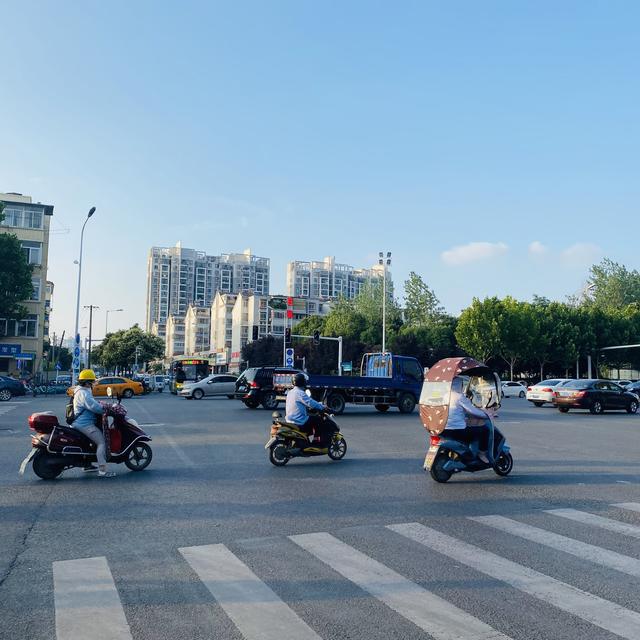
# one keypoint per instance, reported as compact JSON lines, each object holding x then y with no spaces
{"x":10,"y":387}
{"x":596,"y":396}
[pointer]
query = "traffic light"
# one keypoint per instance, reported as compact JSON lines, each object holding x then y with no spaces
{"x":316,"y":337}
{"x":255,"y":331}
{"x":287,"y":335}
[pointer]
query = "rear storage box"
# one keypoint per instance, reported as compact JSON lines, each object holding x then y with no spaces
{"x":42,"y":422}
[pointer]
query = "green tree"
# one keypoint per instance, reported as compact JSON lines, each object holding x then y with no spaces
{"x":478,"y":329}
{"x":262,"y":352}
{"x":516,"y":327}
{"x":421,"y":304}
{"x":15,"y":276}
{"x":613,"y":286}
{"x":119,"y":349}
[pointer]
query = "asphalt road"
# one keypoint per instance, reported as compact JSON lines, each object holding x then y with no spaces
{"x":197,"y":546}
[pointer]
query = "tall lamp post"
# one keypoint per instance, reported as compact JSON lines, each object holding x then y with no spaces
{"x":76,"y":348}
{"x":384,"y":262}
{"x":106,"y":322}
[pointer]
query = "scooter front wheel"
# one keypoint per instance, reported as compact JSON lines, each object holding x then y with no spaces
{"x":337,"y":448}
{"x":43,"y":467}
{"x":504,"y":464}
{"x":139,"y":457}
{"x":278,"y":455}
{"x":437,"y":471}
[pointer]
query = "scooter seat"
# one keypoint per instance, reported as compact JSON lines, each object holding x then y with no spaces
{"x":291,"y":425}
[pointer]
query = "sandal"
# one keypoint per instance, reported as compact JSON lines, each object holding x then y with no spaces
{"x":106,"y":474}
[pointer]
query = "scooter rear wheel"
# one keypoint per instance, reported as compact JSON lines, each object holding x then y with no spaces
{"x":437,"y":472}
{"x":139,"y":457}
{"x":504,"y":464}
{"x":43,"y":467}
{"x":278,"y":455}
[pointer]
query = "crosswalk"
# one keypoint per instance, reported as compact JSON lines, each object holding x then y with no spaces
{"x":400,"y":580}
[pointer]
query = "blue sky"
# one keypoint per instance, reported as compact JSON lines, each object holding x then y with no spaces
{"x":304,"y":129}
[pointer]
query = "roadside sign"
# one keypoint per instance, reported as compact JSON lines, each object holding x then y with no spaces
{"x":76,"y":352}
{"x":76,"y":363}
{"x":58,"y":366}
{"x":288,"y":357}
{"x":347,"y":366}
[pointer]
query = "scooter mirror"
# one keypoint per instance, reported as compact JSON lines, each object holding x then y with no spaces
{"x":308,"y":392}
{"x":109,"y":391}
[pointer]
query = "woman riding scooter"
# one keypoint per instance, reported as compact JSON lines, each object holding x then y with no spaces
{"x":86,"y":409}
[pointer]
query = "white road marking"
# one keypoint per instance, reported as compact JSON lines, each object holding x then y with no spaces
{"x":87,"y":605}
{"x":178,"y":450}
{"x":597,"y":521}
{"x":590,"y":552}
{"x":629,"y":506}
{"x":254,"y":608}
{"x":598,"y":611}
{"x":439,"y":618}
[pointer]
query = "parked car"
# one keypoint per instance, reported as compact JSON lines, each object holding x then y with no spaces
{"x":217,"y":384}
{"x":255,"y":386}
{"x":119,"y":386}
{"x":624,"y":383}
{"x":596,"y":396}
{"x":544,"y":391}
{"x":513,"y":390}
{"x":10,"y":387}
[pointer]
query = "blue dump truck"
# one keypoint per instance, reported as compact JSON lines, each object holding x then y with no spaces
{"x":385,"y":381}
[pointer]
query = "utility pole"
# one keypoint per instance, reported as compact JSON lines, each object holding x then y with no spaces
{"x":384,"y":262}
{"x":91,"y":307}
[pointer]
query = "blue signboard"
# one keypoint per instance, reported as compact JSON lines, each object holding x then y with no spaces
{"x":58,"y":366}
{"x":9,"y":349}
{"x":24,"y":356}
{"x":347,"y":366}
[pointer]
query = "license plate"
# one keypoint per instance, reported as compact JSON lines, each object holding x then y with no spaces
{"x":565,"y":394}
{"x":26,"y":461}
{"x":534,"y":395}
{"x":431,"y":456}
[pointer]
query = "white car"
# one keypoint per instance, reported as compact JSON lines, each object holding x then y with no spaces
{"x":217,"y":384}
{"x":513,"y":390}
{"x":543,"y":391}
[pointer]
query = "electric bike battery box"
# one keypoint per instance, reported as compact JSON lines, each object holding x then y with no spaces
{"x":42,"y":422}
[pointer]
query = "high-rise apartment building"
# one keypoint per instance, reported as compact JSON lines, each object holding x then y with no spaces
{"x":328,"y":280}
{"x":178,"y":277}
{"x":21,"y":341}
{"x":197,"y":330}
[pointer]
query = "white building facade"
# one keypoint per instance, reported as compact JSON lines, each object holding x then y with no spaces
{"x":328,"y":280}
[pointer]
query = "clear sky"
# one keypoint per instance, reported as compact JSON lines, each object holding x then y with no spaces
{"x":303,"y":129}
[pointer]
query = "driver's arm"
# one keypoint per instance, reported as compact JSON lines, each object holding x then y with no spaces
{"x":310,"y":402}
{"x":471,"y":409}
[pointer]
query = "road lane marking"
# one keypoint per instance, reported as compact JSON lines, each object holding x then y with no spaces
{"x":253,"y":607}
{"x":178,"y":450}
{"x":439,"y":618}
{"x":597,"y":521}
{"x":629,"y":506}
{"x":586,"y":606}
{"x":590,"y":552}
{"x":87,"y":604}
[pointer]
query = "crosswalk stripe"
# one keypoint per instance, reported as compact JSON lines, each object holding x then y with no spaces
{"x":598,"y":611}
{"x":86,"y":601}
{"x":629,"y":506}
{"x":439,"y":618}
{"x":253,"y":607}
{"x":597,"y":521}
{"x":590,"y":552}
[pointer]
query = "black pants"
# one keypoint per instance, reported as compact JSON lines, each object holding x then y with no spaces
{"x":472,"y":434}
{"x":315,"y":425}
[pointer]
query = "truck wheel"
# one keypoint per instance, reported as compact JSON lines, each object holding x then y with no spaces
{"x":382,"y":407}
{"x":407,"y":403}
{"x":336,"y":403}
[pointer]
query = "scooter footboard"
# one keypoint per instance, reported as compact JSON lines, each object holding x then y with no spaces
{"x":434,"y":450}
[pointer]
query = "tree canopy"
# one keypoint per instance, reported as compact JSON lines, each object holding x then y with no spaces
{"x":119,"y":349}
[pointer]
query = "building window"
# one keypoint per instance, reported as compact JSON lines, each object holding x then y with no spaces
{"x":35,"y":283}
{"x":22,"y":217}
{"x":32,"y":252}
{"x":27,"y":328}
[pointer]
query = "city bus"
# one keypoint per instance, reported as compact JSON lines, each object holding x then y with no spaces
{"x":194,"y":369}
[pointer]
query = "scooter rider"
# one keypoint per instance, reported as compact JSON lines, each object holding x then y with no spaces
{"x":298,"y":403}
{"x":461,"y":410}
{"x":86,"y":408}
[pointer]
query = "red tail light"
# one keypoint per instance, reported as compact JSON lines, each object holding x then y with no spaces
{"x":556,"y":394}
{"x":434,"y":440}
{"x":254,"y":385}
{"x":580,"y":394}
{"x":548,"y":389}
{"x":528,"y":388}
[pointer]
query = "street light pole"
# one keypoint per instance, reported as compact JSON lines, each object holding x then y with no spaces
{"x":91,"y":307}
{"x":385,"y":262}
{"x":76,"y":350}
{"x":106,"y":322}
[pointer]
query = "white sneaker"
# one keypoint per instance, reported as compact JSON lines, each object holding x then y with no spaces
{"x":106,"y":474}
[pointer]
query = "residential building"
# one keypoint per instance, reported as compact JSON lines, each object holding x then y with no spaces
{"x":327,"y":279}
{"x":21,"y":341}
{"x":174,"y":338}
{"x":178,"y":277}
{"x":197,"y":330}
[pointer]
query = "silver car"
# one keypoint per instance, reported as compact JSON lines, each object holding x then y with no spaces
{"x":217,"y":384}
